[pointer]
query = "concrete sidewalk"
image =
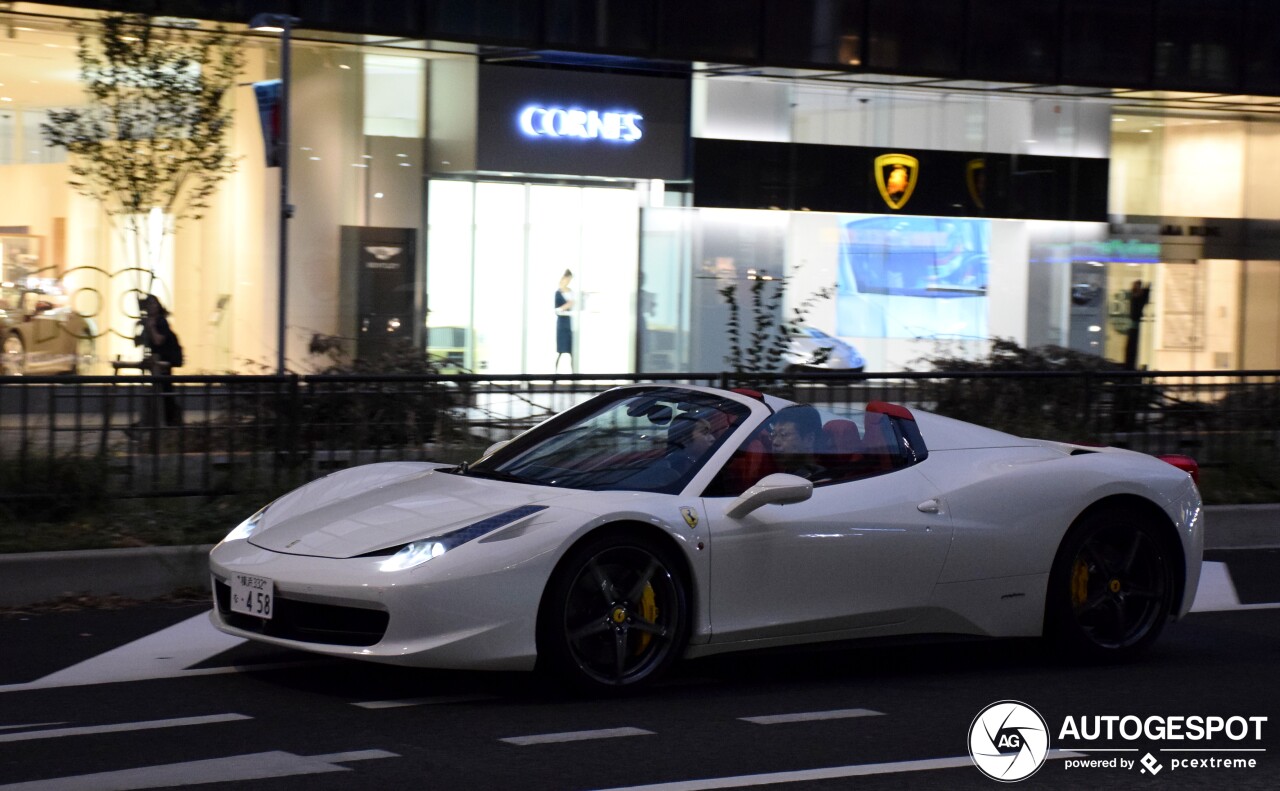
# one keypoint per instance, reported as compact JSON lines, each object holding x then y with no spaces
{"x":150,"y":572}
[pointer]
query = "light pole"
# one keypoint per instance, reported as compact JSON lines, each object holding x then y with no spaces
{"x":282,"y":24}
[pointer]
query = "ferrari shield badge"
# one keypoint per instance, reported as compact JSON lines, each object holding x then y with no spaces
{"x":896,"y":176}
{"x":690,"y":517}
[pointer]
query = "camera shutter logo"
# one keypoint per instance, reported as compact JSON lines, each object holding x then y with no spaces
{"x":1008,"y":741}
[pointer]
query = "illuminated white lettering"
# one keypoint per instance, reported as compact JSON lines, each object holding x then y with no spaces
{"x":526,"y":120}
{"x":559,"y":122}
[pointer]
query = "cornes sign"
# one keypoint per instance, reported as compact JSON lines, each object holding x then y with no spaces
{"x":537,"y":121}
{"x":575,"y":123}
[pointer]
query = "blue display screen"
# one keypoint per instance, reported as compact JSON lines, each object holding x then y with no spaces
{"x":913,"y":277}
{"x":914,"y":256}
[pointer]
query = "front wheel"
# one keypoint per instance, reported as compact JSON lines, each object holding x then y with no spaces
{"x":1111,"y":588}
{"x":615,"y":615}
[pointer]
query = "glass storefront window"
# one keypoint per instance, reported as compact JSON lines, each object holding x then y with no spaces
{"x":496,"y":256}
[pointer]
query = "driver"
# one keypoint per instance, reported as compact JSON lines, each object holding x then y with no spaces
{"x":795,"y":438}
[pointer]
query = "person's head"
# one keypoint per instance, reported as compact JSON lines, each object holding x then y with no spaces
{"x":693,"y":435}
{"x":566,"y":278}
{"x":150,"y":305}
{"x":796,"y":429}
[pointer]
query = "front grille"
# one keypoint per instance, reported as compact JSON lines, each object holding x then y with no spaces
{"x":307,"y":622}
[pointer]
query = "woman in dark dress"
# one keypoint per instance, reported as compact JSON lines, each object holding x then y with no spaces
{"x":564,"y":324}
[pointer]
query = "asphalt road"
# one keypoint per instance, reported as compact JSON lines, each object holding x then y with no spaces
{"x":151,"y":697}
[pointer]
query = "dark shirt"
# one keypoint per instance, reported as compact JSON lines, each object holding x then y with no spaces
{"x":166,"y":349}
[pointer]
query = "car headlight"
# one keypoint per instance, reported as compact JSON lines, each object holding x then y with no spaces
{"x":248,"y":527}
{"x":415,"y":553}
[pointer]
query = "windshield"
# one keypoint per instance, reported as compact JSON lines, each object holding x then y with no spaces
{"x":652,"y":440}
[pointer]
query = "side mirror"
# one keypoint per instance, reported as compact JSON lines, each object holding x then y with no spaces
{"x":495,"y":447}
{"x":780,"y":488}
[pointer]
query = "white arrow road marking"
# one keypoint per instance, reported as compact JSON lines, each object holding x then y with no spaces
{"x":575,"y":736}
{"x":814,"y":775}
{"x":163,"y":654}
{"x":121,"y":727}
{"x":256,"y":766}
{"x":811,"y":716}
{"x":1217,"y":592}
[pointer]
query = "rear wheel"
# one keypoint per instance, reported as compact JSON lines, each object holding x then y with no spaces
{"x":13,"y":356}
{"x":615,"y":615}
{"x":1111,"y":588}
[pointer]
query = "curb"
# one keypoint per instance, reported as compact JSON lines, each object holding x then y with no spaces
{"x":141,"y":573}
{"x":151,"y":572}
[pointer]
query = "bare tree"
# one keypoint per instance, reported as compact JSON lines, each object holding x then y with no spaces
{"x":153,"y":132}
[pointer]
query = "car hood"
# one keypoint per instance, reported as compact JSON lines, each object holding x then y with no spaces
{"x":366,"y":509}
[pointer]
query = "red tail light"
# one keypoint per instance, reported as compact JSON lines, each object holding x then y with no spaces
{"x":1184,"y":463}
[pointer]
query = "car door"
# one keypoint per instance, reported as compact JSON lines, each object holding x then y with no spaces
{"x":856,"y":554}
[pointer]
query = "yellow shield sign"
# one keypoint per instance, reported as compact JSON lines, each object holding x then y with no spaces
{"x":975,"y":177}
{"x":896,"y":176}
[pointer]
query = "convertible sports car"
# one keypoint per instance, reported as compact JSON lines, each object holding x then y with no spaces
{"x":654,"y":522}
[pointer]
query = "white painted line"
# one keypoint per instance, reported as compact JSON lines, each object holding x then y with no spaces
{"x":436,"y":701}
{"x":575,"y":736}
{"x":1217,"y":592}
{"x":256,"y":766}
{"x":29,"y":725}
{"x":828,"y":773}
{"x":164,"y":654}
{"x":811,"y":716}
{"x":121,"y":727}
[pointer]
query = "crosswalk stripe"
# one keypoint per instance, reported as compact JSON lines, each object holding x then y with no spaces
{"x":576,"y":736}
{"x":255,"y":766}
{"x":826,"y":773}
{"x":811,"y":716}
{"x":1217,"y":592}
{"x":436,"y":701}
{"x":163,"y":654}
{"x":121,"y":727}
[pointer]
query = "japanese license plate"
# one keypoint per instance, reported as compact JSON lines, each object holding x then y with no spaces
{"x":252,"y":595}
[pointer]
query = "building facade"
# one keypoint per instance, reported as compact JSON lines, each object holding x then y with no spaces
{"x":1051,"y":181}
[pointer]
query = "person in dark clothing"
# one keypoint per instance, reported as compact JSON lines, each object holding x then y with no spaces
{"x":163,"y":355}
{"x":1139,"y":296}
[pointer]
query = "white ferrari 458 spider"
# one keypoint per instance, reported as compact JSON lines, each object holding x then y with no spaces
{"x":654,"y":522}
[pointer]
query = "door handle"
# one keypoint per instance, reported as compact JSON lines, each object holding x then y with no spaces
{"x":929,"y":506}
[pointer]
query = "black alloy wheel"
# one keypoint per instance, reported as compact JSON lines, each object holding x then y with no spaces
{"x":1111,"y":589}
{"x":616,"y":614}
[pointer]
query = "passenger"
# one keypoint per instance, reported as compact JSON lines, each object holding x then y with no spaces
{"x":688,"y":440}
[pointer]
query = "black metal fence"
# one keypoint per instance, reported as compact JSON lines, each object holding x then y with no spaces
{"x":69,"y":438}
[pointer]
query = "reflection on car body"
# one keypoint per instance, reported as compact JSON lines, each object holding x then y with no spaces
{"x":40,"y":333}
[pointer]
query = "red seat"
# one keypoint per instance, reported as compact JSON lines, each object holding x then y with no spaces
{"x":841,"y":436}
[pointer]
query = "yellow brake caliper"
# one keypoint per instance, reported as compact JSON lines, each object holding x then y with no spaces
{"x":649,"y":611}
{"x":1080,"y":583}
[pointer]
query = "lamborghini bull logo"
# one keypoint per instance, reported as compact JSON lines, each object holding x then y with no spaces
{"x":896,"y":176}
